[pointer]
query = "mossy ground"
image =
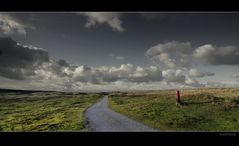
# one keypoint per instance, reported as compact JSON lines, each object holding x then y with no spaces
{"x":199,"y":111}
{"x":44,"y":111}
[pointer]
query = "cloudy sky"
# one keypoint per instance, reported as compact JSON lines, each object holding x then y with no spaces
{"x":97,"y":51}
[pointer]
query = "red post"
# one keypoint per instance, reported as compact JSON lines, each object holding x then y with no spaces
{"x":177,"y":96}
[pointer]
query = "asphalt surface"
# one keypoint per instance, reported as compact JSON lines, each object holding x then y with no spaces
{"x":102,"y":119}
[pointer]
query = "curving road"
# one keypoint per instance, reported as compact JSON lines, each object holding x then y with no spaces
{"x":100,"y":118}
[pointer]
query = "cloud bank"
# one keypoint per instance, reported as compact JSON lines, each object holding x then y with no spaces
{"x":173,"y":67}
{"x":178,"y":61}
{"x":29,"y":63}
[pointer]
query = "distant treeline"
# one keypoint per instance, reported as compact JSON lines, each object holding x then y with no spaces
{"x":34,"y":91}
{"x":22,"y":91}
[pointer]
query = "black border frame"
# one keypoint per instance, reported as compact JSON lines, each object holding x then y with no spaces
{"x":112,"y":138}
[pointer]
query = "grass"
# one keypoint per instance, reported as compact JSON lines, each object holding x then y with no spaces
{"x":44,"y":111}
{"x":205,"y":109}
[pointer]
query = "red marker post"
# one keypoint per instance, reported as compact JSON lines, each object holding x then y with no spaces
{"x":177,"y":97}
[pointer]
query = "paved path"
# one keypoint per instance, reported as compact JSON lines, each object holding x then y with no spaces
{"x":101,"y":118}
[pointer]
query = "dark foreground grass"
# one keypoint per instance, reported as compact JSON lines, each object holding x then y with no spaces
{"x":198,"y":112}
{"x":44,"y":111}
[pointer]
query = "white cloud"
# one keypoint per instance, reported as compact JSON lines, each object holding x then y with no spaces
{"x":193,"y":82}
{"x":178,"y":59}
{"x":181,"y":54}
{"x":126,"y":73}
{"x":172,"y":75}
{"x":171,"y":54}
{"x":196,"y":73}
{"x":112,"y":19}
{"x":179,"y":78}
{"x":9,"y":25}
{"x":209,"y":54}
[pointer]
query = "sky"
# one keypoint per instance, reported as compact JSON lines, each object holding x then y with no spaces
{"x":114,"y":51}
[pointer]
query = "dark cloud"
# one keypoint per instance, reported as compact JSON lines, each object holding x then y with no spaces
{"x":209,"y":54}
{"x":62,"y":62}
{"x":17,"y":60}
{"x":20,"y":56}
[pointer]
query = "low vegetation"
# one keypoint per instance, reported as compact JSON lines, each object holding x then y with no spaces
{"x":44,"y":111}
{"x":206,"y":109}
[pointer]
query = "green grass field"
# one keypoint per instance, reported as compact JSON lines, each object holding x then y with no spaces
{"x":44,"y":111}
{"x":201,"y":109}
